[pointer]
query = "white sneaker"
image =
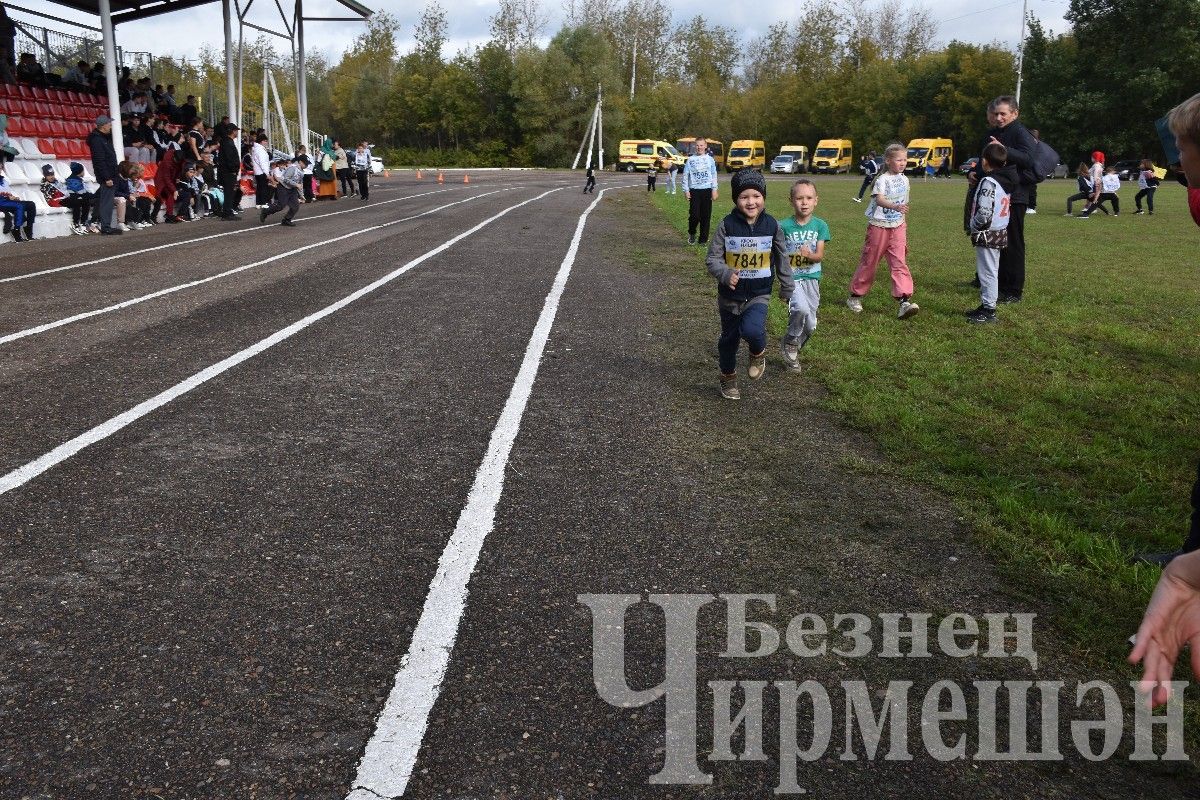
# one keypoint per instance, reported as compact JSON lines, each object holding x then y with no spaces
{"x":125,"y":227}
{"x":791,"y":357}
{"x":78,"y":230}
{"x":856,"y":199}
{"x":92,"y":228}
{"x":907,"y":310}
{"x":854,"y":304}
{"x":1029,"y":211}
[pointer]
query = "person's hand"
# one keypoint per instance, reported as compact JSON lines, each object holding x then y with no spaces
{"x":714,"y":194}
{"x":1172,"y":618}
{"x":733,"y":280}
{"x":902,"y":208}
{"x":108,"y":183}
{"x":688,"y":195}
{"x":994,"y":139}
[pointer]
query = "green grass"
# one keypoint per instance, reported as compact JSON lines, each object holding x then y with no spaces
{"x":1068,"y":432}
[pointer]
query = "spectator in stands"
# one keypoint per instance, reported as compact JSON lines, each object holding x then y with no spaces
{"x":156,"y":136}
{"x":124,"y":85}
{"x":165,"y":180}
{"x":260,"y":163}
{"x":142,"y":200}
{"x":123,"y":193}
{"x":76,"y":186}
{"x":187,"y":112}
{"x":167,"y":104}
{"x":59,"y":195}
{"x":8,"y":48}
{"x":193,"y":143}
{"x":96,"y":78}
{"x":77,"y":76}
{"x":137,"y":104}
{"x":22,"y":211}
{"x":30,"y":71}
{"x":228,"y":168}
{"x":7,"y":151}
{"x":187,"y":192}
{"x":104,"y":164}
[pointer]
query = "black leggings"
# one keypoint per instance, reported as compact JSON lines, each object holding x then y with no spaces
{"x":1109,"y":196}
{"x":1147,"y":193}
{"x":345,"y":177}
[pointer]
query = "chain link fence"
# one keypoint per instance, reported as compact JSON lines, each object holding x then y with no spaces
{"x":58,"y":51}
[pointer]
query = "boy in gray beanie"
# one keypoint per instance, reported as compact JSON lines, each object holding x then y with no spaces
{"x":747,"y":251}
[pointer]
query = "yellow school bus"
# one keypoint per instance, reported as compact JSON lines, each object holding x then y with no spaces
{"x":833,"y":155}
{"x":928,"y":152}
{"x":716,"y":149}
{"x":746,"y":153}
{"x":639,"y":154}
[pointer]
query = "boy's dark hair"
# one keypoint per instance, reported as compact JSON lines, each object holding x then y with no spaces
{"x":995,"y":154}
{"x":262,"y":137}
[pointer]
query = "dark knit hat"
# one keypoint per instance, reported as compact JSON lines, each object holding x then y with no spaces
{"x":745,"y":179}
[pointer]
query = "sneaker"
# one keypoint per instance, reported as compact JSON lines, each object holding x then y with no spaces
{"x":93,"y":228}
{"x":691,"y":238}
{"x":1068,"y":214}
{"x":758,"y":366}
{"x":125,"y":228}
{"x":854,"y":304}
{"x":729,"y":389}
{"x":907,"y":309}
{"x":1029,"y":211}
{"x":1009,"y":298}
{"x":856,"y":199}
{"x":287,"y":223}
{"x":262,"y":214}
{"x":1139,"y":211}
{"x":791,"y":356}
{"x":982,"y":315}
{"x":1084,"y":216}
{"x":77,"y":230}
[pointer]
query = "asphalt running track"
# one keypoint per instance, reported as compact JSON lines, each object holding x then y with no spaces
{"x":212,"y":595}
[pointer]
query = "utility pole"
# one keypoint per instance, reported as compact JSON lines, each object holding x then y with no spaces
{"x":1021,"y":49}
{"x":633,"y":72}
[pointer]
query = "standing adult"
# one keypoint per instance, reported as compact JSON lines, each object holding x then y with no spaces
{"x":104,"y":165}
{"x":260,"y":163}
{"x":700,"y":189}
{"x":1021,"y":146}
{"x":869,"y":168}
{"x":362,"y":168}
{"x":187,"y":112}
{"x":228,"y":168}
{"x":341,"y":166}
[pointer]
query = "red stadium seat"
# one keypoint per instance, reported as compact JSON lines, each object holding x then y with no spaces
{"x":40,"y":94}
{"x":26,"y":92}
{"x":8,"y":90}
{"x":74,"y":98}
{"x":42,"y":126}
{"x":56,"y":128}
{"x":18,"y":127}
{"x":151,"y":170}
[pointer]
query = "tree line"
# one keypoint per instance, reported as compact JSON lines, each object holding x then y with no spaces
{"x":870,"y":72}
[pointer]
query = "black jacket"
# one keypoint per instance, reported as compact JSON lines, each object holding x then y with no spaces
{"x":104,"y":157}
{"x":229,"y":166}
{"x":1021,"y":147}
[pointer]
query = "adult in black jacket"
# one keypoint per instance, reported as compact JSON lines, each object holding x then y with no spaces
{"x":104,"y":164}
{"x":1021,"y":146}
{"x":229,"y":167}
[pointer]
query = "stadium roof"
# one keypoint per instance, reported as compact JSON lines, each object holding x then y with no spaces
{"x":129,"y":10}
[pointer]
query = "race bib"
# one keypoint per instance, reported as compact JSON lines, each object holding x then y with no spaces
{"x":750,"y":256}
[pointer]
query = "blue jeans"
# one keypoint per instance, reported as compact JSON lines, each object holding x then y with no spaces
{"x":20,"y":209}
{"x":750,"y":325}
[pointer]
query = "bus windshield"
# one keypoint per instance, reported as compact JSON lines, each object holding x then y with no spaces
{"x":739,"y":152}
{"x":917,"y":152}
{"x":826,"y":152}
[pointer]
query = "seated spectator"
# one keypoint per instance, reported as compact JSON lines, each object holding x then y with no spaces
{"x":59,"y":195}
{"x":124,"y":85}
{"x":77,"y":76}
{"x":30,"y":71}
{"x":135,"y":150}
{"x":123,"y":192}
{"x":141,"y":198}
{"x":97,"y":80}
{"x":137,"y":104}
{"x":7,"y":151}
{"x":187,"y":193}
{"x":75,"y":185}
{"x":18,"y":214}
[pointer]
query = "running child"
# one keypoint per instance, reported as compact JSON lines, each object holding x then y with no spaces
{"x":804,"y":242}
{"x":746,"y":253}
{"x":887,"y":233}
{"x":988,"y":226}
{"x":1147,"y":186}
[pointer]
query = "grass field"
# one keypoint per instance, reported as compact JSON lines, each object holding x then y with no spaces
{"x":1069,"y":432}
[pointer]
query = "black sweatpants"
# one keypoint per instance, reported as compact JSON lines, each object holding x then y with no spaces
{"x":866,"y":184}
{"x":233,"y":195}
{"x":1012,"y":258}
{"x":700,"y":213}
{"x":1147,"y":193}
{"x":362,"y":183}
{"x":262,"y":190}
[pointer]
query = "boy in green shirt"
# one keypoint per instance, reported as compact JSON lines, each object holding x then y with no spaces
{"x":805,"y":237}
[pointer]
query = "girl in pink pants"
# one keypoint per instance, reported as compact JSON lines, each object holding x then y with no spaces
{"x":887,"y":236}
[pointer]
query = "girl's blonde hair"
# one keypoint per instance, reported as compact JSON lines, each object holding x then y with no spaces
{"x":893,"y":149}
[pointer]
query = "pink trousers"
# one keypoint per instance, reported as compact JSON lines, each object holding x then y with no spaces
{"x":891,"y":243}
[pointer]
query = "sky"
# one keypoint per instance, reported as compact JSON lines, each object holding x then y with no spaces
{"x":183,"y":33}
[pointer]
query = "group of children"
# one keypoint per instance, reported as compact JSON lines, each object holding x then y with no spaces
{"x":1109,"y":180}
{"x":750,"y":250}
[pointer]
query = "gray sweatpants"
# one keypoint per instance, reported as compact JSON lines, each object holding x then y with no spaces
{"x":802,"y":311}
{"x":987,"y":267}
{"x":285,"y":197}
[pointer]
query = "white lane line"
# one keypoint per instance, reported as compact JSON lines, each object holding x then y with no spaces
{"x":391,"y":754}
{"x":24,"y":474}
{"x":12,"y":337}
{"x":118,"y":256}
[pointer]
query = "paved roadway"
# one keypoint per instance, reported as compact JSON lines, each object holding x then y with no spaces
{"x":225,"y":501}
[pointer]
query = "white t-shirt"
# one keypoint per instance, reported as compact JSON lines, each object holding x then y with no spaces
{"x":1111,"y":183}
{"x":895,"y":189}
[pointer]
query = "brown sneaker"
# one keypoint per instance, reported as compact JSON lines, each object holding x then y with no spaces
{"x":758,"y":366}
{"x":729,"y":388}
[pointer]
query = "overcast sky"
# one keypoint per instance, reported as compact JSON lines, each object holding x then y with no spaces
{"x":183,"y":33}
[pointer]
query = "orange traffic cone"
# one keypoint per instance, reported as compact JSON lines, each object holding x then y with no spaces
{"x":466,"y":178}
{"x":441,"y":177}
{"x":419,"y":176}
